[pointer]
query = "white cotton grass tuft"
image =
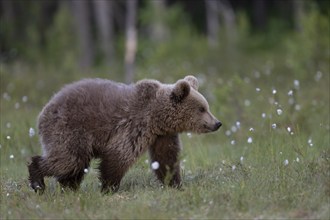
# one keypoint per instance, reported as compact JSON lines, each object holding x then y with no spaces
{"x":296,"y":83}
{"x":263,"y":115}
{"x":288,"y":129}
{"x":8,"y":137}
{"x":247,"y":102}
{"x":232,"y":142}
{"x":24,"y":98}
{"x":310,"y":142}
{"x":290,"y":93}
{"x":274,"y":126}
{"x":233,"y":167}
{"x":31,"y":132}
{"x":258,"y":89}
{"x":228,"y":133}
{"x":241,"y":159}
{"x":274,"y":91}
{"x":155,"y":165}
{"x":189,"y":135}
{"x":85,"y":170}
{"x":249,"y":140}
{"x":286,"y":162}
{"x":279,"y":111}
{"x":11,"y":156}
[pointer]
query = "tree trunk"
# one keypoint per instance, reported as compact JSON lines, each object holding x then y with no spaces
{"x":104,"y":20}
{"x":228,"y":15}
{"x":82,"y":22}
{"x":131,"y":40}
{"x":298,"y":13}
{"x":158,"y":31}
{"x":212,"y":19}
{"x":259,"y":14}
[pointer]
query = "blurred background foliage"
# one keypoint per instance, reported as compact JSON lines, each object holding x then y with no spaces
{"x":232,"y":46}
{"x":171,"y":33}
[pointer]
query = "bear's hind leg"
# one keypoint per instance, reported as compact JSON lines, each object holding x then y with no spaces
{"x":166,"y":151}
{"x":72,"y":181}
{"x":36,"y":174}
{"x":111,"y":173}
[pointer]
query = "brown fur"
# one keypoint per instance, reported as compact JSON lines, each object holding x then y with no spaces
{"x":96,"y":118}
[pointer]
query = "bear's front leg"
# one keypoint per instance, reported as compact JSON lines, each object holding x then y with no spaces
{"x":166,"y":151}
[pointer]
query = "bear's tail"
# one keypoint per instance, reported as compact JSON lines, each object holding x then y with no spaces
{"x":36,"y":176}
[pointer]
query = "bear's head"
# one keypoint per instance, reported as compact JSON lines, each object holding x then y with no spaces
{"x":184,"y":109}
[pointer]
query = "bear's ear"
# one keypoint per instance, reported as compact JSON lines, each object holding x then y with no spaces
{"x":193,"y":82}
{"x":180,"y":91}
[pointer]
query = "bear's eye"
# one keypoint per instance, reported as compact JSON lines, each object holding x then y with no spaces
{"x":201,"y":109}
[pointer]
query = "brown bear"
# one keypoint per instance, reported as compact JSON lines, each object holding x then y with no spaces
{"x":97,"y":118}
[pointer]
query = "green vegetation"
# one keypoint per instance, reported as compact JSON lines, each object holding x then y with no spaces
{"x":271,"y":158}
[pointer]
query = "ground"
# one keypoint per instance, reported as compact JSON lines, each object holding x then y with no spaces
{"x":270,"y":159}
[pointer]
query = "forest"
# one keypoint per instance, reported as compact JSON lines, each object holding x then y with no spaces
{"x":262,"y":65}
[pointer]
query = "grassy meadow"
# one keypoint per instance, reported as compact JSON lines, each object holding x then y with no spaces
{"x":270,"y":159}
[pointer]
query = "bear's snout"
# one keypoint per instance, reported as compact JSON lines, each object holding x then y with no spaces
{"x":217,"y":125}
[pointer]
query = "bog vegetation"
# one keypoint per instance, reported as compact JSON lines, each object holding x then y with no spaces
{"x":270,"y":159}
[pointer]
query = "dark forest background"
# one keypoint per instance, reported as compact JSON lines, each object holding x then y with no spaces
{"x":116,"y":35}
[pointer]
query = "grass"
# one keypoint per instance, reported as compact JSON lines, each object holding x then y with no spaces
{"x":279,"y":175}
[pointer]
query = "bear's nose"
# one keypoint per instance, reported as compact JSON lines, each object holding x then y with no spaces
{"x":217,"y":125}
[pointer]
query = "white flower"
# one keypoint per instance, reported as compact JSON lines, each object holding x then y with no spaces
{"x":31,"y":132}
{"x":297,"y":159}
{"x":238,"y":124}
{"x":286,"y":162}
{"x":274,"y":126}
{"x":249,"y":140}
{"x":279,"y":111}
{"x":290,"y":93}
{"x":189,"y":135}
{"x":11,"y":156}
{"x":8,"y":137}
{"x":241,"y":159}
{"x":251,"y":129}
{"x":258,"y":89}
{"x":155,"y":165}
{"x":233,"y":167}
{"x":274,"y":91}
{"x":263,"y":115}
{"x":232,"y":142}
{"x":146,"y":161}
{"x":296,"y":83}
{"x":288,"y":129}
{"x":85,"y":170}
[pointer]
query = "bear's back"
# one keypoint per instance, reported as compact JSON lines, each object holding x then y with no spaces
{"x":85,"y":105}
